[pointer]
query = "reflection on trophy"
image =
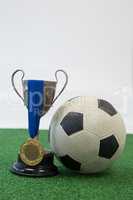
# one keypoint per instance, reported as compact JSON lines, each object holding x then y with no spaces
{"x":38,"y":96}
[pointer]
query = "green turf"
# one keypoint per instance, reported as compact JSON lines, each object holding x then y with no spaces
{"x":114,"y":184}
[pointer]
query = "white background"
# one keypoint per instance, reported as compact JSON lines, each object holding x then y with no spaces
{"x":91,"y":40}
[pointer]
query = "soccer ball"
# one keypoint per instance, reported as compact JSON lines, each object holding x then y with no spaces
{"x":87,"y":134}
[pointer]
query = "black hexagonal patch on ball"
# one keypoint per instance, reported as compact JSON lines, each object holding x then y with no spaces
{"x":72,"y":123}
{"x":108,"y":147}
{"x":70,"y":163}
{"x":106,"y":107}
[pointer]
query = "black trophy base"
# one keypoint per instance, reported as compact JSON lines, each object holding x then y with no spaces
{"x":44,"y":169}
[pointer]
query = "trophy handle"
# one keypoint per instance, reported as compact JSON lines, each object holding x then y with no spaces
{"x":13,"y":82}
{"x":65,"y":84}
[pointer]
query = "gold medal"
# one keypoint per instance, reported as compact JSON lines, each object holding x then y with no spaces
{"x":32,"y":152}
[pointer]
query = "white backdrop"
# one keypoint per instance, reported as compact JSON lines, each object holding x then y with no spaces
{"x":91,"y":40}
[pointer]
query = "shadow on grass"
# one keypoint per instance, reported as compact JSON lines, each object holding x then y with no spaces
{"x":116,"y":175}
{"x":67,"y":173}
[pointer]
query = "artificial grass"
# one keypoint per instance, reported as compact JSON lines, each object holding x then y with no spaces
{"x":116,"y":183}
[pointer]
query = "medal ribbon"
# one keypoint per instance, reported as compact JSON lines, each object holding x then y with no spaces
{"x":35,"y":105}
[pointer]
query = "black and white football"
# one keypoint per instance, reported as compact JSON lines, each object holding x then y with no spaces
{"x":87,"y":134}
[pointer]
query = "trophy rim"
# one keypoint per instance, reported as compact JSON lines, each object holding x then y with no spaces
{"x":45,"y":81}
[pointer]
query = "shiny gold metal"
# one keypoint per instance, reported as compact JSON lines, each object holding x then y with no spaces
{"x":32,"y":152}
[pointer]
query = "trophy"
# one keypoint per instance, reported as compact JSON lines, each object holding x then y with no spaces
{"x":38,"y":96}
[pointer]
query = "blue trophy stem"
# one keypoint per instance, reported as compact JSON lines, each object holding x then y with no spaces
{"x":35,"y":105}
